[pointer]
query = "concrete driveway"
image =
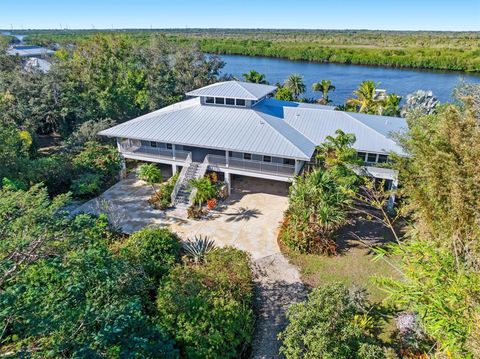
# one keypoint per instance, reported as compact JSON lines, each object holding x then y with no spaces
{"x":248,"y":220}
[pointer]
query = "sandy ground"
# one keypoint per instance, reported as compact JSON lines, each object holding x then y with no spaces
{"x":248,"y":220}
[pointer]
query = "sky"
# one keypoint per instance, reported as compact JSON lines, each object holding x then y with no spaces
{"x":456,"y":15}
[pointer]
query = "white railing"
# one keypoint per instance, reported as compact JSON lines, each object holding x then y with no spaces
{"x":153,"y":152}
{"x":180,"y":179}
{"x":251,"y":165}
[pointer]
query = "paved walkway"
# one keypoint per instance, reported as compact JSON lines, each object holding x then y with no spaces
{"x":249,"y":220}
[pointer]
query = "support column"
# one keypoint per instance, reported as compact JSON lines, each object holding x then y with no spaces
{"x":174,"y":151}
{"x":391,"y":199}
{"x":228,"y":182}
{"x":174,"y":169}
{"x":298,"y":166}
{"x":227,"y":159}
{"x":123,"y":168}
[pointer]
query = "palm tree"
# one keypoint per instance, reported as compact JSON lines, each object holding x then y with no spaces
{"x":392,"y":105}
{"x":324,"y":86}
{"x":365,"y":100}
{"x":205,"y":190}
{"x":255,"y":77}
{"x":295,"y":84}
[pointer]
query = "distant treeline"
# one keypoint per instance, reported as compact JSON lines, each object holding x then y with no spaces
{"x":422,"y":49}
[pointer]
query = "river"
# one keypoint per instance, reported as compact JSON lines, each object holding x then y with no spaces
{"x":346,"y":78}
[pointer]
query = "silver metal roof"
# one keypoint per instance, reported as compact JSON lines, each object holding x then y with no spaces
{"x":272,"y":127}
{"x":29,"y":51}
{"x":373,"y":133}
{"x":234,"y":89}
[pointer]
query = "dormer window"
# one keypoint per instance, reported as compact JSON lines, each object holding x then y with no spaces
{"x":210,"y":100}
{"x":230,"y":101}
{"x":219,"y":100}
{"x":240,"y":102}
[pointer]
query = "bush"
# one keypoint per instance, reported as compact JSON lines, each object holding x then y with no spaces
{"x":155,"y":249}
{"x":327,"y":325}
{"x":87,"y":185}
{"x":98,"y":158}
{"x":207,"y":308}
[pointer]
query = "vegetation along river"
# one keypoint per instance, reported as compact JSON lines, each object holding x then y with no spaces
{"x":346,"y":78}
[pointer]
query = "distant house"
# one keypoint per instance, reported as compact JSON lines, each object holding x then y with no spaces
{"x":25,"y":51}
{"x":236,"y":128}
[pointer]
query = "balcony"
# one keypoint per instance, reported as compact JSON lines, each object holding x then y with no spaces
{"x":153,"y":152}
{"x":269,"y":168}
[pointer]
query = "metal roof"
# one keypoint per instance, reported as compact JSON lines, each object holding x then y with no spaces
{"x":234,"y":89}
{"x":373,"y":133}
{"x":29,"y":51}
{"x":219,"y":127}
{"x":272,"y":127}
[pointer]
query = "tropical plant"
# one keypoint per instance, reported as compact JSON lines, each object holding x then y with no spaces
{"x":284,"y":94}
{"x":391,"y":107}
{"x":255,"y":77}
{"x":295,"y":84}
{"x":207,"y":308}
{"x":150,"y":173}
{"x":365,"y":99}
{"x":324,"y":86}
{"x":317,"y":207}
{"x":204,"y":189}
{"x":197,"y":248}
{"x":326,"y":325}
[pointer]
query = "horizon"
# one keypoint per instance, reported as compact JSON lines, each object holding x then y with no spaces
{"x":373,"y":15}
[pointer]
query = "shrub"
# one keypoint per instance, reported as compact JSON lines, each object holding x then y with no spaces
{"x":98,"y":158}
{"x":208,"y":308}
{"x":87,"y":185}
{"x":211,"y":203}
{"x":155,"y":249}
{"x":326,"y":326}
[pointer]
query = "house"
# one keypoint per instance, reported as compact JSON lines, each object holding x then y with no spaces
{"x":29,"y":51}
{"x":237,"y":128}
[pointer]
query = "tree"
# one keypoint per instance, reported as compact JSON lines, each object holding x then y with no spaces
{"x":284,"y":94}
{"x":295,"y":84}
{"x":317,"y":206}
{"x":151,"y":174}
{"x":440,"y":260}
{"x":365,"y":99}
{"x":328,"y":325}
{"x":155,"y":250}
{"x":324,"y":86}
{"x":255,"y":77}
{"x":207,"y":307}
{"x":391,"y":106}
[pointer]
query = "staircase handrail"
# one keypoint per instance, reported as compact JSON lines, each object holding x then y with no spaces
{"x":180,"y":179}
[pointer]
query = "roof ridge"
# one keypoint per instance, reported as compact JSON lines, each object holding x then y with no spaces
{"x":261,"y":115}
{"x":243,"y":87}
{"x":371,"y":128}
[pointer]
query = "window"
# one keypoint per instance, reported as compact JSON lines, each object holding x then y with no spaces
{"x":153,"y":144}
{"x":230,"y":101}
{"x":267,"y":159}
{"x":247,"y":156}
{"x":219,"y":100}
{"x":230,"y":154}
{"x":361,"y":155}
{"x":169,"y":146}
{"x":240,"y":102}
{"x":288,"y":161}
{"x":382,"y":158}
{"x":372,"y":157}
{"x":209,"y":100}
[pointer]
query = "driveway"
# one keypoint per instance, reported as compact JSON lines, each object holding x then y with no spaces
{"x":249,"y":220}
